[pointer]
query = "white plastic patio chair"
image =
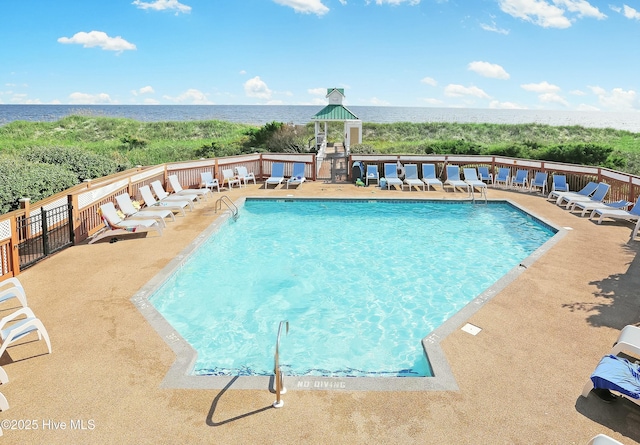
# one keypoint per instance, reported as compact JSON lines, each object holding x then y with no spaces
{"x":173,"y":205}
{"x":207,"y":180}
{"x":244,"y":175}
{"x":126,"y":207}
{"x":179,"y":190}
{"x":229,"y":178}
{"x":13,"y":329}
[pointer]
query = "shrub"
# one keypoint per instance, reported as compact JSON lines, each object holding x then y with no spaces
{"x":84,"y":164}
{"x":20,"y":179}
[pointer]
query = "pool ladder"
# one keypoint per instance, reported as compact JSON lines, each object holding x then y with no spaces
{"x":224,"y":199}
{"x":278,"y":380}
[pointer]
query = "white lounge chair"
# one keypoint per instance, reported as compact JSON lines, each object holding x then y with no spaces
{"x":628,"y":341}
{"x":411,"y":177}
{"x":471,"y":178}
{"x":391,"y":175}
{"x":372,"y":174}
{"x":521,"y":179}
{"x":297,"y":177}
{"x":597,"y":196}
{"x":587,"y":190}
{"x":173,"y":205}
{"x":179,"y":190}
{"x":114,"y":225}
{"x":207,"y":180}
{"x":485,"y":175}
{"x":602,"y":439}
{"x":453,"y":179}
{"x":589,"y":206}
{"x":277,"y":174}
{"x":126,"y":207}
{"x":4,"y":378}
{"x":230,"y":179}
{"x":244,"y":175}
{"x":162,"y":194}
{"x":13,"y":329}
{"x":12,"y":288}
{"x":429,"y":176}
{"x":539,"y":182}
{"x":630,"y":215}
{"x":4,"y":405}
{"x":503,"y":177}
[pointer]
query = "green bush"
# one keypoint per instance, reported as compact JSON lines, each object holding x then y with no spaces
{"x":84,"y":164}
{"x":23,"y":179}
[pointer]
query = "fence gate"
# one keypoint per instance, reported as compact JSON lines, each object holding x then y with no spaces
{"x":44,"y":234}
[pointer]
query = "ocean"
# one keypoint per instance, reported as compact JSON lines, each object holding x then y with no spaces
{"x":302,"y":114}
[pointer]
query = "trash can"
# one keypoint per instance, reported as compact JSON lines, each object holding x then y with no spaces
{"x":357,"y":171}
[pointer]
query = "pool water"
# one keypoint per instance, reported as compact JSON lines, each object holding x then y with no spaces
{"x":361,"y":282}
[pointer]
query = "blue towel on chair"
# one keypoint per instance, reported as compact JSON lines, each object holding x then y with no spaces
{"x":617,"y":374}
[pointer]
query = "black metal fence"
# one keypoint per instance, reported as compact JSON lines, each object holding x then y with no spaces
{"x":44,"y":234}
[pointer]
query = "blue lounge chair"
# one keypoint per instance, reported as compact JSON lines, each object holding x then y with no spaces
{"x":597,"y":196}
{"x":411,"y":177}
{"x":587,"y":190}
{"x":631,"y":215}
{"x":483,"y":173}
{"x":297,"y":177}
{"x":453,"y":179}
{"x":559,"y":184}
{"x":277,"y":174}
{"x":471,"y":178}
{"x":391,"y":175}
{"x":372,"y":174}
{"x":521,"y":179}
{"x":539,"y":181}
{"x":617,"y":375}
{"x":503,"y":176}
{"x":429,"y":176}
{"x":590,"y":206}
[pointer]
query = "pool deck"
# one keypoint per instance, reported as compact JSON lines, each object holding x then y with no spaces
{"x":519,"y":380}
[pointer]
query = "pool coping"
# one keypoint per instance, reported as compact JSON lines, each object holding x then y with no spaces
{"x":179,"y":375}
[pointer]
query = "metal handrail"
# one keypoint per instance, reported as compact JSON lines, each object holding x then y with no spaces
{"x":224,"y":199}
{"x":279,"y":382}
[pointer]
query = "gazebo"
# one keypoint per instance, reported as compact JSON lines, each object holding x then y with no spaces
{"x":335,"y":111}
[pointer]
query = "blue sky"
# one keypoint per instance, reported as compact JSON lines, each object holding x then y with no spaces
{"x":528,"y":54}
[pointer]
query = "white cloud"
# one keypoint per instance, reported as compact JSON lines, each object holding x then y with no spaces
{"x":432,"y":101}
{"x":631,"y":13}
{"x":149,"y":101}
{"x":578,"y":93}
{"x":547,"y":15}
{"x":487,"y":69}
{"x":582,"y":8}
{"x":257,"y":88}
{"x":536,"y":11}
{"x":506,"y":105}
{"x":541,"y":88}
{"x":494,"y":28}
{"x":453,"y":90}
{"x":90,"y":99}
{"x":395,"y":2}
{"x":100,"y":39}
{"x":242,"y":72}
{"x":553,"y":98}
{"x":305,"y":6}
{"x":143,"y":90}
{"x":317,"y":91}
{"x":378,"y":102}
{"x":161,"y":5}
{"x":617,"y":99}
{"x":429,"y":81}
{"x":190,"y":97}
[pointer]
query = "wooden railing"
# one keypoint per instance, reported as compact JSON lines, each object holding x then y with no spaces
{"x":87,"y":197}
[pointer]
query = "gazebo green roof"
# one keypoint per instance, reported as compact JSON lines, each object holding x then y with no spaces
{"x":334,"y":113}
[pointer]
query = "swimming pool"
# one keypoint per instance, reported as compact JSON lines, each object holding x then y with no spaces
{"x":360,"y":281}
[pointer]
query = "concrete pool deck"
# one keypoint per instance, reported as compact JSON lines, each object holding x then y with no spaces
{"x":519,"y":380}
